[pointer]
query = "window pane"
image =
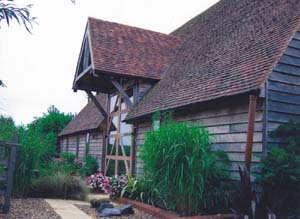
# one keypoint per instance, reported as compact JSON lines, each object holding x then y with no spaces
{"x":112,"y":102}
{"x":124,"y":127}
{"x":115,"y":123}
{"x":127,"y":140}
{"x":123,"y":106}
{"x":110,"y":146}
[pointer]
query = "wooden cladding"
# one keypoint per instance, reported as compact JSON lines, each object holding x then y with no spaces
{"x":283,"y":92}
{"x":227,"y":124}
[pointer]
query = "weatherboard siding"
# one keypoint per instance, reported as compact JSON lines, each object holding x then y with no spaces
{"x":95,"y":145}
{"x":227,"y":124}
{"x":283,"y":91}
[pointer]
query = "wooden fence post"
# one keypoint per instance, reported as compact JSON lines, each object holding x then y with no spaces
{"x":12,"y":147}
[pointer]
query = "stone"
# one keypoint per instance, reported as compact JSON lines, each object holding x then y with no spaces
{"x":103,"y":206}
{"x":107,"y":212}
{"x":126,"y":209}
{"x":95,"y":203}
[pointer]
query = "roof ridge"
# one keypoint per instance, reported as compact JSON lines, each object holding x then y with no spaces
{"x":135,"y":27}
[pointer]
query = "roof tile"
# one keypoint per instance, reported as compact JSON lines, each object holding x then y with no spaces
{"x":129,"y":50}
{"x":89,"y":118}
{"x":229,"y":49}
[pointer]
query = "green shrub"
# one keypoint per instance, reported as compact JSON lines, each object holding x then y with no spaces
{"x":39,"y":147}
{"x":28,"y":160}
{"x":280,"y":174}
{"x":60,"y":185}
{"x":179,"y":160}
{"x":142,"y":190}
{"x":68,"y":163}
{"x":7,"y":128}
{"x":89,"y":166}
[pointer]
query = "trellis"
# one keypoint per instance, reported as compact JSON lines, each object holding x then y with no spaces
{"x":117,"y":152}
{"x":8,"y":153}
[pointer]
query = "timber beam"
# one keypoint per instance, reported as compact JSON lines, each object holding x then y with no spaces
{"x":80,"y":75}
{"x":123,"y":93}
{"x":250,"y":132}
{"x":97,"y":103}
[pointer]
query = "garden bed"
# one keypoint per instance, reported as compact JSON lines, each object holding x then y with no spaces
{"x":138,"y":214}
{"x":30,"y":208}
{"x":162,"y":214}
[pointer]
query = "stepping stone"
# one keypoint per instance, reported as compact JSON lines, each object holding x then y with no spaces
{"x":103,"y":206}
{"x":126,"y":209}
{"x":107,"y":212}
{"x":95,"y":203}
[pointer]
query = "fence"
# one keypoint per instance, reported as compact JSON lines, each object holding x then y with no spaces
{"x":8,"y":153}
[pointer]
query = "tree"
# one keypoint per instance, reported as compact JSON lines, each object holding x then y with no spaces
{"x":2,"y":84}
{"x":50,"y":125}
{"x":7,"y":128}
{"x":10,"y":11}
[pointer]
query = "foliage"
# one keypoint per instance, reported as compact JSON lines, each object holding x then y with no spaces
{"x":59,"y":185}
{"x":143,"y":191}
{"x":280,"y":173}
{"x":117,"y":183}
{"x":99,"y":182}
{"x":10,"y":11}
{"x":28,"y":160}
{"x":69,"y":164}
{"x":89,"y":166}
{"x":7,"y":128}
{"x":179,"y":160}
{"x":39,"y":147}
{"x":50,"y":125}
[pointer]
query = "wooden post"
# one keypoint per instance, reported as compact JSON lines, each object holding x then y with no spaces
{"x":123,"y":93}
{"x":10,"y":174}
{"x":250,"y":132}
{"x":97,"y":103}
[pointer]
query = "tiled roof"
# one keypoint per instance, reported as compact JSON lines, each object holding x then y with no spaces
{"x":229,"y":49}
{"x":88,"y":119}
{"x":130,"y":51}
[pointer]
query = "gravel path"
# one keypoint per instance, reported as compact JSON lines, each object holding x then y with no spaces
{"x":30,"y":209}
{"x":137,"y":215}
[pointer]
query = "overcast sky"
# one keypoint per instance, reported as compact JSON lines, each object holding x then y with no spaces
{"x":38,"y":69}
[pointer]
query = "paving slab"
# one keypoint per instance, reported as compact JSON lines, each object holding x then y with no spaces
{"x":98,"y":196}
{"x":66,"y":209}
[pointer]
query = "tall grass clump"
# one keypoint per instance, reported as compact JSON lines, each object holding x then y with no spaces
{"x":59,"y":185}
{"x":183,"y":168}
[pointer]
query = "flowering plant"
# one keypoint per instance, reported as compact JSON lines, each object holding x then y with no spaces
{"x":98,"y":181}
{"x":117,"y":183}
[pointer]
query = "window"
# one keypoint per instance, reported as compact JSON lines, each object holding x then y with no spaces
{"x":87,"y":144}
{"x":67,"y":146}
{"x":77,"y":146}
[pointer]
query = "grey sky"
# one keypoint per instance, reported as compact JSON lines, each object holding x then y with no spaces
{"x":38,"y":69}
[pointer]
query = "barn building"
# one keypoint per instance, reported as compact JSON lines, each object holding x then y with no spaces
{"x":235,"y":69}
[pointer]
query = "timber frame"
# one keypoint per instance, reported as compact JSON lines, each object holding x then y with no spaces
{"x":120,"y":104}
{"x":119,"y":86}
